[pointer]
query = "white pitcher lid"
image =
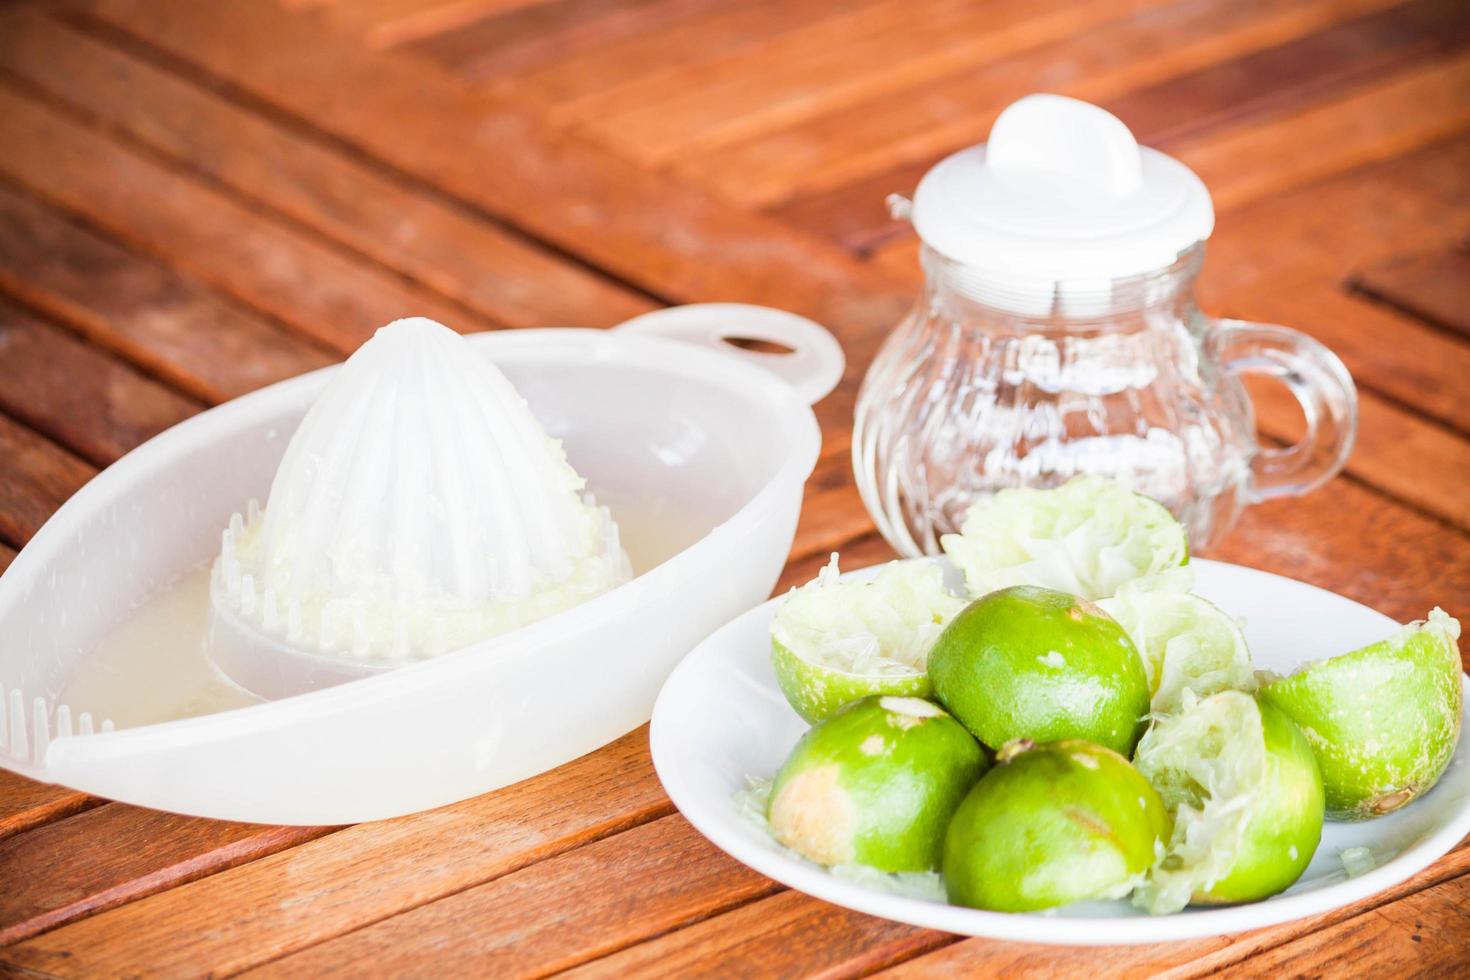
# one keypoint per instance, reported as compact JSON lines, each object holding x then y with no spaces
{"x":1062,"y":191}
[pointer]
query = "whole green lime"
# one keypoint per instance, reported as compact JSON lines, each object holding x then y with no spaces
{"x":875,"y":784}
{"x":1050,"y":825}
{"x":1026,"y":662}
{"x":1384,"y":720}
{"x":1245,"y":795}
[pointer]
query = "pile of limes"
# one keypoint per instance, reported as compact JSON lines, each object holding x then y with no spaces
{"x":991,"y":741}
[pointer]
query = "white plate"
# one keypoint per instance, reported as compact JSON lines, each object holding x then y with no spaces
{"x":721,"y":717}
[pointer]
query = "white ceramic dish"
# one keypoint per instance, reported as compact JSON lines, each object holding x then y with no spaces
{"x":721,"y":717}
{"x":707,"y":447}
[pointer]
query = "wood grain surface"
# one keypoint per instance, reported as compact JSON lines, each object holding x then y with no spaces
{"x":200,"y":197}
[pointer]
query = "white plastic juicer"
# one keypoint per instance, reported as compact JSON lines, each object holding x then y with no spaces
{"x":419,"y":508}
{"x":708,"y":444}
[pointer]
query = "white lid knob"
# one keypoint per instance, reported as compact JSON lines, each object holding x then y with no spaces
{"x":1061,"y":192}
{"x":1050,"y":137}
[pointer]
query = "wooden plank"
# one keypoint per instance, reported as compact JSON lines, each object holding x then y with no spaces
{"x":168,"y":323}
{"x":1387,"y":352}
{"x":815,"y":70}
{"x":917,"y":123}
{"x":1190,"y":958}
{"x":669,"y":239}
{"x":1289,"y":73}
{"x":288,"y":901}
{"x":1347,"y":538}
{"x":464,"y":256}
{"x":1424,"y":935}
{"x":1397,"y":451}
{"x":663,"y":47}
{"x":114,"y":854}
{"x":527,"y":38}
{"x":25,"y":803}
{"x":788,"y":934}
{"x":832,"y":512}
{"x":39,"y":476}
{"x":7,"y":555}
{"x":388,"y":23}
{"x":76,"y":394}
{"x":317,"y":289}
{"x":1378,"y":123}
{"x":666,"y":875}
{"x":1293,"y":75}
{"x":1430,"y":286}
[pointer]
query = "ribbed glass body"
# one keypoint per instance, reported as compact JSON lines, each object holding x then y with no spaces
{"x":990,"y":383}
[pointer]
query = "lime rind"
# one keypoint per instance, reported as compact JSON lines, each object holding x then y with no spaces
{"x":875,"y":784}
{"x":752,"y":800}
{"x":1088,"y":537}
{"x":1027,"y":662}
{"x":1383,"y":720}
{"x":1208,"y":763}
{"x":1187,"y":643}
{"x":1052,"y":824}
{"x":834,"y":641}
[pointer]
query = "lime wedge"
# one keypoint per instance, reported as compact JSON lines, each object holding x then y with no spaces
{"x":834,"y":641}
{"x":1240,"y":782}
{"x":1087,"y":537}
{"x":1187,"y":643}
{"x":1384,"y":720}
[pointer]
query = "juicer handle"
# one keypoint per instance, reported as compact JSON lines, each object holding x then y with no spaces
{"x":1322,"y":387}
{"x":812,"y":361}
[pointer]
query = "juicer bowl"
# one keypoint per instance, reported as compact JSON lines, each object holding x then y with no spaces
{"x":701,"y":456}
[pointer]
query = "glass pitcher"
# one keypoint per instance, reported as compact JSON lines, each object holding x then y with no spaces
{"x":1051,"y":344}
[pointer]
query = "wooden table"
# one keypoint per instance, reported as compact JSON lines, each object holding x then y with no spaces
{"x":198,"y":198}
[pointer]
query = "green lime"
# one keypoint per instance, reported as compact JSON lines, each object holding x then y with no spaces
{"x":1240,"y":782}
{"x":1383,"y":720}
{"x":875,"y":784}
{"x":1034,"y":663}
{"x":835,"y":641}
{"x":1051,"y":825}
{"x":1187,"y":643}
{"x":1087,"y":537}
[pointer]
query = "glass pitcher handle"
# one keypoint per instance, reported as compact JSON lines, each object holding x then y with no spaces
{"x":1322,"y":387}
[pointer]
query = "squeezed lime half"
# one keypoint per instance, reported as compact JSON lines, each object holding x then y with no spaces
{"x":875,"y":785}
{"x":834,"y":641}
{"x":1187,"y":643}
{"x":1087,"y":537}
{"x":1245,"y":795}
{"x":1383,"y":720}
